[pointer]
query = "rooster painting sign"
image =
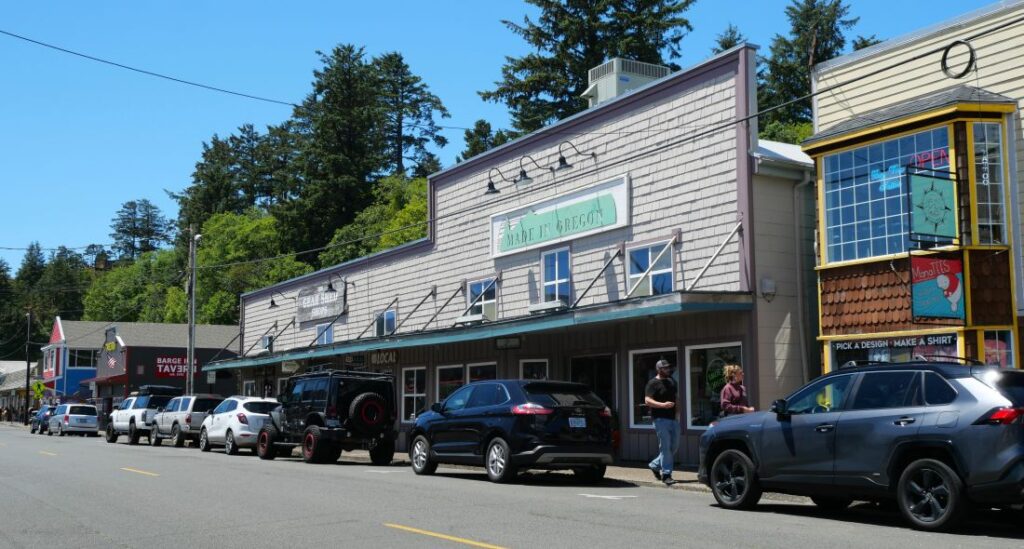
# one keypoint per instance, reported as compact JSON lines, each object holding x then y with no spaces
{"x":937,"y":287}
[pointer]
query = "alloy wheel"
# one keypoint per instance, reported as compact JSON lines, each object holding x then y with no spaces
{"x":927,"y":495}
{"x":731,"y":479}
{"x":419,"y":454}
{"x":496,"y":459}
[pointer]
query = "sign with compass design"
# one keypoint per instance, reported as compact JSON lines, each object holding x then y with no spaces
{"x":933,"y":206}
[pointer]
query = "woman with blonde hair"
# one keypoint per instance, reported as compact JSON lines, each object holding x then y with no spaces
{"x":734,"y":394}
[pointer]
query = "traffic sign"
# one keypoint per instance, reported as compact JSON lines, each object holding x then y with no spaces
{"x":39,"y":389}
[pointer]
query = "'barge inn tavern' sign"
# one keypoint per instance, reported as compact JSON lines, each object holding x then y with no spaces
{"x":588,"y":211}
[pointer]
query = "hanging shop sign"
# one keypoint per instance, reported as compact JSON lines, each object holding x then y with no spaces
{"x":316,"y":303}
{"x":174,"y":367}
{"x":383,"y":358}
{"x":937,"y":287}
{"x":932,"y":206}
{"x":596,"y":209}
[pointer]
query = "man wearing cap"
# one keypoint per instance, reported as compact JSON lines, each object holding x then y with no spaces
{"x":660,"y":397}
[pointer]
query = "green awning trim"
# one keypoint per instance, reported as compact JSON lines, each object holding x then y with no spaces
{"x":674,"y":303}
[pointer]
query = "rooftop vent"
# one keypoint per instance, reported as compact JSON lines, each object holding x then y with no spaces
{"x":618,"y":76}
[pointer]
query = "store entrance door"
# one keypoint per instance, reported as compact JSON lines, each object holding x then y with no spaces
{"x":596,"y":372}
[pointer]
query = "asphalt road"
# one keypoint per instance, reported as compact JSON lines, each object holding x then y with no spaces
{"x":76,"y":492}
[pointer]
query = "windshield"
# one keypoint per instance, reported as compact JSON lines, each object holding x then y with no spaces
{"x":152,"y":402}
{"x":561,"y":394}
{"x":259,"y":407}
{"x":83,"y":411}
{"x":205,"y":404}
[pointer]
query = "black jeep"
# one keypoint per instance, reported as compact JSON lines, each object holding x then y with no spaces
{"x":327,"y":411}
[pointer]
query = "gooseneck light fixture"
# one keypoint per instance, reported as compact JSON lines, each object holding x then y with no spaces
{"x":491,"y":189}
{"x":526,"y":179}
{"x":274,"y":305}
{"x":564,"y":164}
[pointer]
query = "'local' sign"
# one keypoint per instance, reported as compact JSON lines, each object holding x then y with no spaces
{"x":585,"y":212}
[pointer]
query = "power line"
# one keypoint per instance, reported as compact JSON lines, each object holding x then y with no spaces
{"x":147,"y":72}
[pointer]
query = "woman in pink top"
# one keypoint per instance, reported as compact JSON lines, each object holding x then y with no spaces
{"x":734,"y":394}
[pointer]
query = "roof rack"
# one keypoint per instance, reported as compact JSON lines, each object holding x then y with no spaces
{"x":860,"y":363}
{"x":948,"y":358}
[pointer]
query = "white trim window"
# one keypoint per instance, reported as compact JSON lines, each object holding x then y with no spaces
{"x":556,"y":276}
{"x":481,"y":371}
{"x":267,"y":343}
{"x":660,"y":279}
{"x":385,"y":323}
{"x":488,"y":304}
{"x":705,"y":378}
{"x":448,"y":380}
{"x":533,"y":368}
{"x":414,"y":392}
{"x":249,"y":387}
{"x":999,"y":348}
{"x":641,"y":371}
{"x":324,"y":334}
{"x":989,"y":182}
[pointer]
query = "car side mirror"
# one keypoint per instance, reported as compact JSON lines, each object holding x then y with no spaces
{"x":437,"y":407}
{"x":160,"y":409}
{"x":115,"y":408}
{"x":780,"y":407}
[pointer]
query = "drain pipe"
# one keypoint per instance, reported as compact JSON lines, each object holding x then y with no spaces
{"x":801,"y":309}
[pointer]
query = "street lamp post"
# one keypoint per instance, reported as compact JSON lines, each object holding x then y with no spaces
{"x":28,"y":365}
{"x":193,"y":242}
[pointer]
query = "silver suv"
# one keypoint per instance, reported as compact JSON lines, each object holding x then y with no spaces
{"x":935,"y":437}
{"x":181,"y":418}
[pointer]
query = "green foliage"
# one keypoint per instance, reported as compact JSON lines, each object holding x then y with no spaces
{"x":408,"y":108}
{"x":728,"y":39}
{"x":481,"y":139}
{"x":792,"y":132}
{"x":571,"y":37}
{"x":139,"y":227}
{"x":861,"y":42}
{"x":134,"y":292}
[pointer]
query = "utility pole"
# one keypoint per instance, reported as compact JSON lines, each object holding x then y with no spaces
{"x":193,"y":242}
{"x":28,"y":365}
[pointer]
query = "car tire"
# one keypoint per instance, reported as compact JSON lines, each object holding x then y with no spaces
{"x":230,"y":446}
{"x":312,"y":445}
{"x":111,"y":435}
{"x":32,"y":430}
{"x":383,"y":452}
{"x":831,"y":503}
{"x":133,"y":434}
{"x":419,"y":456}
{"x":176,"y":439}
{"x":204,"y":441}
{"x":498,"y":462}
{"x":931,"y":495}
{"x":154,"y":436}
{"x":60,"y":430}
{"x":265,"y":440}
{"x":590,"y":475}
{"x":330,"y":454}
{"x":368,"y":413}
{"x":49,"y":433}
{"x":734,"y":481}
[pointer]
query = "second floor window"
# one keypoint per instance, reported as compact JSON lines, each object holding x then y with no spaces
{"x":386,"y":323}
{"x":556,"y":275}
{"x":487,"y":304}
{"x":659,"y":279}
{"x":324,"y":334}
{"x":989,"y":183}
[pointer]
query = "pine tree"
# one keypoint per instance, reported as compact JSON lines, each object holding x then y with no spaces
{"x":728,"y":39}
{"x":480,"y":139}
{"x":409,"y":110}
{"x":32,"y":265}
{"x":861,"y":42}
{"x":138,"y":227}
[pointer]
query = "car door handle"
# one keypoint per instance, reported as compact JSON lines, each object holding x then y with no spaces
{"x":903,"y":421}
{"x":825,"y":428}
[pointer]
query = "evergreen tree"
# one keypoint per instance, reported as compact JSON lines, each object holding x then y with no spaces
{"x":33,"y":263}
{"x":138,"y":227}
{"x":571,"y":37}
{"x":861,"y":42}
{"x":409,"y":110}
{"x":480,"y":139}
{"x":728,"y":39}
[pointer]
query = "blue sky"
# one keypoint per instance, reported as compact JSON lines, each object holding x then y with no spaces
{"x":80,"y":138}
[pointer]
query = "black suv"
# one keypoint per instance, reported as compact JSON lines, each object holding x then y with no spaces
{"x":934,"y":437}
{"x":327,"y":411}
{"x":516,"y":424}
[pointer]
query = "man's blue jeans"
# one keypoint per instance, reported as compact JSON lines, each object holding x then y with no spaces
{"x":668,"y":442}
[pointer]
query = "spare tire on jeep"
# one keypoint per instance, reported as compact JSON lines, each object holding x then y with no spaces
{"x":368,"y":414}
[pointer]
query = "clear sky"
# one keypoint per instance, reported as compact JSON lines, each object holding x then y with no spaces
{"x":80,"y":138}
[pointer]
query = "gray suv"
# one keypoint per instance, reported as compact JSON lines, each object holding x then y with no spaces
{"x":935,"y":437}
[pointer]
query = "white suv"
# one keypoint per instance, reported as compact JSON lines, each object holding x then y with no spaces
{"x":133,"y":416}
{"x":235,"y":423}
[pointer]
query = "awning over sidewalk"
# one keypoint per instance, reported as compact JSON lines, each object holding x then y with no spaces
{"x":674,"y":303}
{"x":111,"y":380}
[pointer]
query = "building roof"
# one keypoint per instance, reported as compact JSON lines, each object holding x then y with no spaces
{"x":86,"y":334}
{"x":782,"y":152}
{"x":936,"y":100}
{"x":12,"y":374}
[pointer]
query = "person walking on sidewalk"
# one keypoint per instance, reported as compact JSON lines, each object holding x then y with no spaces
{"x":734,"y":394}
{"x":660,"y":397}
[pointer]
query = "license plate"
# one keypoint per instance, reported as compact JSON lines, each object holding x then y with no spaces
{"x":80,"y":420}
{"x":578,"y":422}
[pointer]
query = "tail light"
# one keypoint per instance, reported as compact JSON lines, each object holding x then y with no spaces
{"x":531,"y":409}
{"x":605,"y":413}
{"x":242,"y":419}
{"x":188,"y":419}
{"x":1001,"y":416}
{"x":332,"y":412}
{"x":65,"y":419}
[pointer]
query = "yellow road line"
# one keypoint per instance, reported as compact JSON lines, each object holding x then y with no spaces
{"x":442,"y":536}
{"x":147,"y":473}
{"x":47,"y":453}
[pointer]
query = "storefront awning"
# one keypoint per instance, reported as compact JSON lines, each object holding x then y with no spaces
{"x":111,"y":380}
{"x":674,"y":303}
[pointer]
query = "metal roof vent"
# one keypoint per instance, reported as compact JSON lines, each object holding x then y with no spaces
{"x":618,"y":76}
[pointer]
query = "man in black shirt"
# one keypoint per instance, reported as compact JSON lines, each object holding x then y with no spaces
{"x":660,"y":397}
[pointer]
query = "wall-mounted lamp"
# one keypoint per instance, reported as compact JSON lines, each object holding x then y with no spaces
{"x":330,"y":285}
{"x":564,"y":164}
{"x":768,"y":288}
{"x":523,"y":178}
{"x":491,"y":189}
{"x":273,"y":304}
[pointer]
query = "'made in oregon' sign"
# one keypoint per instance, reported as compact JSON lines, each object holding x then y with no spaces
{"x":588,"y":211}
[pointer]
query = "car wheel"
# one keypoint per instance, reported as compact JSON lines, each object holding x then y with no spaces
{"x":176,"y":437}
{"x":204,"y":441}
{"x":930,"y":495}
{"x":60,"y":430}
{"x":133,"y":434}
{"x":590,"y":475}
{"x":154,"y":436}
{"x":734,"y":480}
{"x":831,"y":503}
{"x":49,"y":433}
{"x":265,"y":443}
{"x":499,"y":466}
{"x":330,"y":454}
{"x":383,"y":452}
{"x":32,"y":431}
{"x":312,"y":443}
{"x":419,"y":455}
{"x":111,"y":433}
{"x":230,"y":448}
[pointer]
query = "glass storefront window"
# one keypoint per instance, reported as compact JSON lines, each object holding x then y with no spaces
{"x":480,"y":372}
{"x":449,"y":378}
{"x":999,"y":348}
{"x":988,"y":182}
{"x":705,"y":365}
{"x":533,"y":369}
{"x":641,"y":370}
{"x":414,"y":392}
{"x":866,"y":193}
